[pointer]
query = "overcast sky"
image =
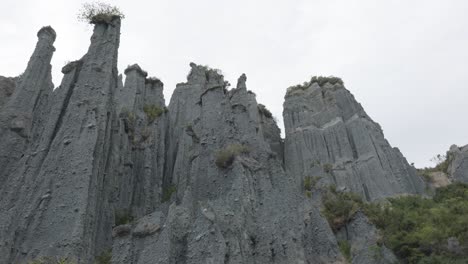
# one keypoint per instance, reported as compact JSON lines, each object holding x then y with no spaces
{"x":405,"y":61}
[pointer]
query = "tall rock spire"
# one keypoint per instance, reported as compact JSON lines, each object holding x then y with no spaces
{"x":31,"y":93}
{"x":57,"y":198}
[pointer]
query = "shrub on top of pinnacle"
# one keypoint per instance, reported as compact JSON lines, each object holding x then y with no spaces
{"x":99,"y":12}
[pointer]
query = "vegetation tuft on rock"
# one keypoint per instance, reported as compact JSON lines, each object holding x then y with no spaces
{"x":99,"y":12}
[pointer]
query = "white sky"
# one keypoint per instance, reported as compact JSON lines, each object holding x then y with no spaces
{"x":405,"y":61}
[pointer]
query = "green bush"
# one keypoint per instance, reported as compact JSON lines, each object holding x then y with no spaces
{"x":226,"y":156}
{"x":98,"y":12}
{"x":122,"y":217}
{"x":340,"y":207}
{"x":417,"y":228}
{"x":345,"y":249}
{"x":308,"y":183}
{"x":167,"y":193}
{"x":152,"y":112}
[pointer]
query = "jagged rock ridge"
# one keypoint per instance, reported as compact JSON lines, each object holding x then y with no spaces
{"x":98,"y":164}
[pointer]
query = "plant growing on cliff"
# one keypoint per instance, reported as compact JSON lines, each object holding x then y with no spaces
{"x":340,"y":207}
{"x":320,"y":80}
{"x":152,"y":112}
{"x":99,"y":12}
{"x":104,"y":258}
{"x":345,"y":248}
{"x":167,"y":193}
{"x":226,"y":156}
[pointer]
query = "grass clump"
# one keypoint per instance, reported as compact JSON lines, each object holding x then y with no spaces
{"x":345,"y":248}
{"x":99,"y":12}
{"x":122,"y":217}
{"x":309,"y":183}
{"x":152,"y":112}
{"x":226,"y":156}
{"x":320,"y":80}
{"x":104,"y":258}
{"x":167,"y":193}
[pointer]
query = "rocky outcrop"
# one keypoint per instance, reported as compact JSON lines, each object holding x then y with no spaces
{"x":329,"y":135}
{"x":458,"y":163}
{"x":21,"y":114}
{"x":246,"y":212}
{"x":365,"y":242}
{"x":100,"y":164}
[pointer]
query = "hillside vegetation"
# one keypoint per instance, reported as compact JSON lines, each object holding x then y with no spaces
{"x":416,"y":229}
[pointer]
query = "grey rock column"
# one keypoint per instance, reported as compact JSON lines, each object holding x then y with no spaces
{"x":16,"y":117}
{"x":61,"y":203}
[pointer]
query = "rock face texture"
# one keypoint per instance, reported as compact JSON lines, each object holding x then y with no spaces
{"x":54,"y":201}
{"x":99,"y":165}
{"x":329,"y":135}
{"x":7,"y":86}
{"x":458,"y":168}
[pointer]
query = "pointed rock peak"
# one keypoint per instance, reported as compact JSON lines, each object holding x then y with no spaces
{"x":137,"y":68}
{"x":200,"y":73}
{"x":47,"y":32}
{"x":241,"y":82}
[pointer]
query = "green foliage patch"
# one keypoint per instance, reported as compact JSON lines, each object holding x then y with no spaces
{"x":415,"y":228}
{"x":345,"y":248}
{"x":340,"y":207}
{"x":104,"y":258}
{"x":152,"y":112}
{"x":167,"y":193}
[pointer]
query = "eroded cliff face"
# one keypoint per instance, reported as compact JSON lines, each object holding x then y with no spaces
{"x":330,"y":136}
{"x":54,"y":200}
{"x":98,"y":165}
